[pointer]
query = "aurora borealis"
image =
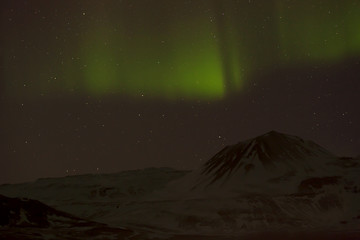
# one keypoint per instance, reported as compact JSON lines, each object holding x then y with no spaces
{"x":202,"y":49}
{"x":320,"y":33}
{"x":142,"y":74}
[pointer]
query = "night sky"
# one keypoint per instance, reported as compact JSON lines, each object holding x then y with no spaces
{"x":93,"y":86}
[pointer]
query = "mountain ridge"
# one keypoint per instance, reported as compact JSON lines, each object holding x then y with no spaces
{"x":273,"y":155}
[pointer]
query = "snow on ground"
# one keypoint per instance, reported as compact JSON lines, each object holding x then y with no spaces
{"x":133,"y":202}
{"x":274,"y":182}
{"x":90,"y":195}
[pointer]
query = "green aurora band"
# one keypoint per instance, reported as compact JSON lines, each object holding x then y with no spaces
{"x":309,"y":31}
{"x":180,"y":50}
{"x":184,"y":63}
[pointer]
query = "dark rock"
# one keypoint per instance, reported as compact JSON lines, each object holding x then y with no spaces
{"x":313,"y":185}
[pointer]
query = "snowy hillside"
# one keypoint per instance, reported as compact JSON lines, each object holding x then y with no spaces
{"x":31,"y":219}
{"x":272,"y":164}
{"x":272,"y":160}
{"x":86,"y":195}
{"x":274,"y":182}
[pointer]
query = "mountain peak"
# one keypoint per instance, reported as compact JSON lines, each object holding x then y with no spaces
{"x":273,"y":132}
{"x":272,"y":151}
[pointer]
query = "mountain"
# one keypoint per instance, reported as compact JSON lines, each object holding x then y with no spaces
{"x":75,"y":194}
{"x":31,"y":213}
{"x":270,"y":159}
{"x":22,"y":218}
{"x":274,"y":182}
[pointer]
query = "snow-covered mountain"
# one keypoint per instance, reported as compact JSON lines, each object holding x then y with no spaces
{"x":272,"y":160}
{"x":75,"y":194}
{"x":273,"y":182}
{"x":268,"y":151}
{"x":22,"y":218}
{"x":32,"y":213}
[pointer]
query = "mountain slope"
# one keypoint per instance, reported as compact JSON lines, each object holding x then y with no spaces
{"x":270,"y":158}
{"x":274,"y":182}
{"x":32,"y":219}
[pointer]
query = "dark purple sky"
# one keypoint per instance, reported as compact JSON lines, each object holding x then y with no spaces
{"x":66,"y":108}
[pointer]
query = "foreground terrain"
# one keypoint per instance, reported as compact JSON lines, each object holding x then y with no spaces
{"x":275,"y":186}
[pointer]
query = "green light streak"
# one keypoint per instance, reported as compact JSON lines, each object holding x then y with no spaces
{"x":203,"y":50}
{"x":198,"y":73}
{"x":353,"y":27}
{"x":197,"y":63}
{"x":308,"y":31}
{"x":228,"y":37}
{"x":190,"y":68}
{"x":312,"y":32}
{"x":99,"y":63}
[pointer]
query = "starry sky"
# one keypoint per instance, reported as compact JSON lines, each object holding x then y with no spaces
{"x":94,"y":86}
